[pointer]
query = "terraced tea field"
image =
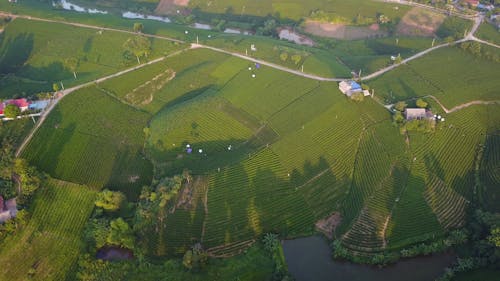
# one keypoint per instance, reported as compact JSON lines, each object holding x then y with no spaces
{"x":277,"y":153}
{"x":51,"y":242}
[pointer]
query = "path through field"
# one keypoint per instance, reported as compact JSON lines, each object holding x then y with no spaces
{"x":464,"y":105}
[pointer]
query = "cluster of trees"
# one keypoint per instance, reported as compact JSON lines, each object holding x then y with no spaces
{"x":273,"y":248}
{"x":296,"y":58}
{"x":475,"y":49}
{"x":107,"y":228}
{"x":17,"y":178}
{"x":136,"y":47}
{"x":419,"y":125}
{"x":483,"y":250}
{"x":455,"y":238}
{"x":195,"y":259}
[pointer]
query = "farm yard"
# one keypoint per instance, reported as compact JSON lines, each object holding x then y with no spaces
{"x":206,"y":154}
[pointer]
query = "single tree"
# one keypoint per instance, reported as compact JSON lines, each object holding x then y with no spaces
{"x":421,"y":103}
{"x":55,"y":87}
{"x":139,"y":46}
{"x":400,"y":106}
{"x":11,"y":111}
{"x":296,"y":58}
{"x":72,"y":64}
{"x":138,"y":27}
{"x":284,"y":56}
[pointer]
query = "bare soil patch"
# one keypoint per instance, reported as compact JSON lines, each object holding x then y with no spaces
{"x":342,"y":31}
{"x":166,"y":7}
{"x":420,"y":22}
{"x":144,"y":94}
{"x":327,"y":225}
{"x":192,"y":193}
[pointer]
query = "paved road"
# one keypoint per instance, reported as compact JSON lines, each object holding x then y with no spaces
{"x":68,"y":91}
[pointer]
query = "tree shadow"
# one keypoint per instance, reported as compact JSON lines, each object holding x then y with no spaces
{"x":15,"y":53}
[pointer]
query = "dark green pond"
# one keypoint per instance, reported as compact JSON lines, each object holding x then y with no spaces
{"x":309,"y":259}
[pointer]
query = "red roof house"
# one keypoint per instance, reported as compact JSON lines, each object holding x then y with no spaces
{"x":23,"y":104}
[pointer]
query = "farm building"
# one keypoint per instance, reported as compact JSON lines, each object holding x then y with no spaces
{"x":23,"y":104}
{"x":349,"y":87}
{"x":417,"y":113}
{"x":8,"y":209}
{"x":472,"y":3}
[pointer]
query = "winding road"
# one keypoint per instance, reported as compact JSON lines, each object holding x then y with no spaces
{"x":469,"y":37}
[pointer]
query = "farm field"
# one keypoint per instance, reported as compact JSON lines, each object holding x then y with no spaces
{"x":466,"y":78}
{"x":51,"y":242}
{"x":214,"y":153}
{"x":278,"y":154}
{"x":34,"y":55}
{"x":91,"y":138}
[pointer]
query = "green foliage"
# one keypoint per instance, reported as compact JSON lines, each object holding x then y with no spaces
{"x":138,"y":27}
{"x":195,"y":259}
{"x":271,"y":241}
{"x":358,"y":97}
{"x":284,"y":56}
{"x":139,"y":46}
{"x":400,"y":106}
{"x":52,"y":236}
{"x":11,"y":111}
{"x":494,"y":237}
{"x":421,"y":103}
{"x":29,"y":178}
{"x":109,"y":200}
{"x":120,"y":234}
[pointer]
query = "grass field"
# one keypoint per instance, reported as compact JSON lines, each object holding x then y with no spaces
{"x":33,"y":55}
{"x":93,"y":139}
{"x":296,"y":9}
{"x":466,"y":78}
{"x":50,"y":244}
{"x":489,"y":33}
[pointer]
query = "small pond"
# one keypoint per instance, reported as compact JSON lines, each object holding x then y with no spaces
{"x":114,"y":253}
{"x":132,"y":15}
{"x":309,"y":259}
{"x":72,"y":7}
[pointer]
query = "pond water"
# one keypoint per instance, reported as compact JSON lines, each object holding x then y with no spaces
{"x":198,"y":25}
{"x":114,"y":253}
{"x":309,"y":259}
{"x":132,"y":15}
{"x":72,"y":7}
